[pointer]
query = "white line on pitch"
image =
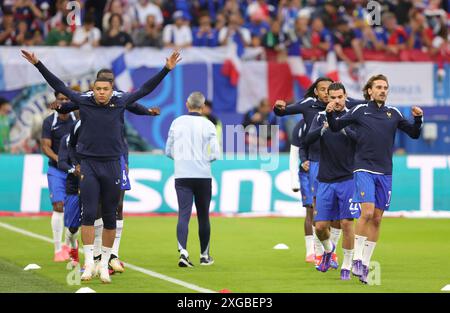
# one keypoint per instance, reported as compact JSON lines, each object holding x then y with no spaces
{"x":446,"y":288}
{"x":131,"y":266}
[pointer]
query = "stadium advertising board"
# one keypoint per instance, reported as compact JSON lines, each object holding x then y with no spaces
{"x":239,"y":186}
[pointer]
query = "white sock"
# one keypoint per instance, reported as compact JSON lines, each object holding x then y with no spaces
{"x":368,"y":251}
{"x":98,"y":230}
{"x":335,"y":235}
{"x":67,"y":236}
{"x":106,"y":254}
{"x":359,"y":247}
{"x":184,"y":252}
{"x":348,"y":257}
{"x":309,"y":242}
{"x":318,"y":247}
{"x":327,"y":245}
{"x":57,"y":222}
{"x":116,"y":244}
{"x":88,"y":254}
{"x":72,"y":238}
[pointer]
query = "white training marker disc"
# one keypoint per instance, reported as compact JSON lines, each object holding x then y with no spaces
{"x":32,"y":267}
{"x":446,"y":288}
{"x":281,"y":246}
{"x":85,"y":290}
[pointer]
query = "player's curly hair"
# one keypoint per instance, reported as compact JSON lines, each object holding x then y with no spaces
{"x":370,"y":82}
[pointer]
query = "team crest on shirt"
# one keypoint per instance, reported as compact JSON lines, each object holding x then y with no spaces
{"x":389,"y":114}
{"x":112,"y":105}
{"x":362,"y":193}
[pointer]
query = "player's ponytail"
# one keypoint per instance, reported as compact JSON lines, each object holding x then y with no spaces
{"x":310,"y":91}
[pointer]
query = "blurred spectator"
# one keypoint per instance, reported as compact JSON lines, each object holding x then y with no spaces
{"x":364,"y":32}
{"x":435,"y":15}
{"x":142,"y":9}
{"x":262,"y":115}
{"x":345,"y":38}
{"x":221,"y":22}
{"x":5,"y":124}
{"x":207,"y":112}
{"x":28,"y":12}
{"x":87,"y":35}
{"x":114,"y":36}
{"x":60,"y":35}
{"x":328,"y":14}
{"x":212,"y":7}
{"x":440,"y":43}
{"x":287,"y":14}
{"x":391,"y":35}
{"x":235,"y":33}
{"x":117,"y":7}
{"x":232,"y":7}
{"x":150,"y":36}
{"x":22,"y":30}
{"x":96,"y":8}
{"x":205,"y":35}
{"x":419,"y":34}
{"x":258,"y":24}
{"x":299,"y":37}
{"x":7,"y":29}
{"x":273,"y":40}
{"x":321,"y":37}
{"x":259,"y":8}
{"x":33,"y":38}
{"x":61,"y":12}
{"x":177,"y":35}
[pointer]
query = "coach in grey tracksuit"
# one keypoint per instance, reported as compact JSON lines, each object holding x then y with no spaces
{"x":192,"y":144}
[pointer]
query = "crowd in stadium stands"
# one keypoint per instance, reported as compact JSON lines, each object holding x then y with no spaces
{"x":409,"y":29}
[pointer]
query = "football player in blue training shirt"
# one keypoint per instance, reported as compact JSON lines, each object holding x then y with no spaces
{"x":335,"y":191}
{"x":300,"y":181}
{"x":100,"y":146}
{"x":375,"y":124}
{"x":67,"y":162}
{"x":114,"y":263}
{"x":315,"y":100}
{"x":54,"y":127}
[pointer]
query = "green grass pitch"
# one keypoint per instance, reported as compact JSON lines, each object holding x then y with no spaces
{"x":413,"y":254}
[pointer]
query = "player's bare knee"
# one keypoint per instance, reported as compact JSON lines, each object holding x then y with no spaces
{"x":376,"y":221}
{"x":346,"y":224}
{"x":321,"y":227}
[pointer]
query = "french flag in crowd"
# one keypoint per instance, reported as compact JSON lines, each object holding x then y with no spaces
{"x":123,"y":79}
{"x":257,"y":80}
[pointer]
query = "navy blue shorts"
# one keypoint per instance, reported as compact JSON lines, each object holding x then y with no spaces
{"x":100,"y":183}
{"x":72,"y":211}
{"x":305,"y":188}
{"x":56,"y":184}
{"x":373,"y":188}
{"x":125,"y":185}
{"x":334,"y":202}
{"x":313,"y":172}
